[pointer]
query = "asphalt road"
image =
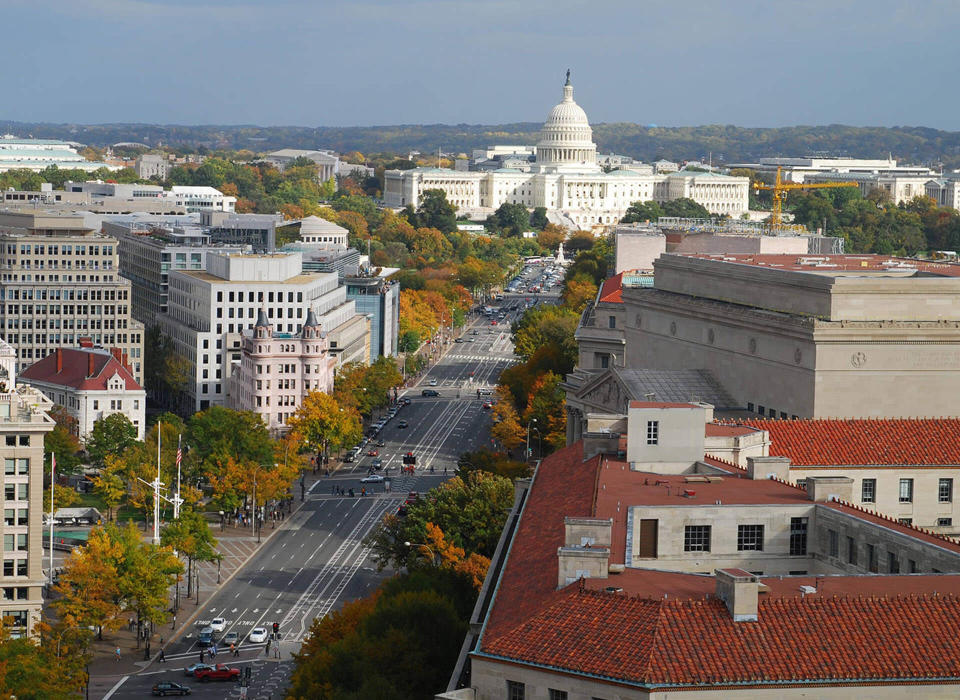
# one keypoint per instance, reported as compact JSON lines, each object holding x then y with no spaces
{"x":316,"y":561}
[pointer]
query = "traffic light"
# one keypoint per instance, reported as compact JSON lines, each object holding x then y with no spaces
{"x":247,"y":672}
{"x":276,"y":627}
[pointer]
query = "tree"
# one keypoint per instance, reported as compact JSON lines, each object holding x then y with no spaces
{"x":321,"y":423}
{"x":551,"y":237}
{"x":190,"y":536}
{"x":494,"y":462}
{"x":436,"y":212}
{"x":109,"y":484}
{"x":685,"y":208}
{"x":546,"y":406}
{"x":32,"y":671}
{"x":546,"y":326}
{"x":511,"y":219}
{"x":89,"y":585}
{"x":506,"y":428}
{"x":639,"y":212}
{"x":220,"y":431}
{"x":110,"y":435}
{"x":65,"y":447}
{"x":579,"y":292}
{"x":538,"y":219}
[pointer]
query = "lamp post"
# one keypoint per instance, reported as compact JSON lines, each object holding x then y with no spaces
{"x":539,"y":443}
{"x":433,"y":556}
{"x":526,"y":454}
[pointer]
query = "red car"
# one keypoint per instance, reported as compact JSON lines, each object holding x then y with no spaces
{"x":373,"y":453}
{"x":220,"y":672}
{"x":493,"y":323}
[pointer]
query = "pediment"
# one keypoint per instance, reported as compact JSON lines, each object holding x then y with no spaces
{"x":605,"y":393}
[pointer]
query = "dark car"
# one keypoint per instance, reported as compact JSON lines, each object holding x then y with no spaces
{"x":169,"y":688}
{"x":429,"y":392}
{"x":403,"y":423}
{"x":406,"y":401}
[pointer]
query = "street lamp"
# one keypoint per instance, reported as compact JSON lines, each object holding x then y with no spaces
{"x":527,"y":453}
{"x":539,"y":443}
{"x":433,"y":556}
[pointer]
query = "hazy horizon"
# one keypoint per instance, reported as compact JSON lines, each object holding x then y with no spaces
{"x":420,"y":62}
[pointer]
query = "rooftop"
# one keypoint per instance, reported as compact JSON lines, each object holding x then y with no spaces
{"x":863,"y":442}
{"x":86,"y":369}
{"x":832,"y":264}
{"x":612,"y":290}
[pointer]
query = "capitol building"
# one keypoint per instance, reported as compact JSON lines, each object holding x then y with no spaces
{"x":566,"y":179}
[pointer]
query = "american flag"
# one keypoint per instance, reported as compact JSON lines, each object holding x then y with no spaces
{"x":179,"y":454}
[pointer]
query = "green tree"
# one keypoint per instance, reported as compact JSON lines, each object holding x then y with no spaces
{"x":109,"y":484}
{"x":220,"y":431}
{"x":686,"y":208}
{"x":546,"y":326}
{"x":190,"y":536}
{"x":110,"y":435}
{"x":321,"y":423}
{"x":65,"y":447}
{"x":639,"y":212}
{"x":32,"y":671}
{"x":538,"y":219}
{"x":498,"y":463}
{"x":436,"y":212}
{"x":511,"y":219}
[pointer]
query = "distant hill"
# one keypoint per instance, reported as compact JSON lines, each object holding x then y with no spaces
{"x":725,"y":143}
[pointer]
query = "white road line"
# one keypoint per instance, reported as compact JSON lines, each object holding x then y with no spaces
{"x":115,"y":688}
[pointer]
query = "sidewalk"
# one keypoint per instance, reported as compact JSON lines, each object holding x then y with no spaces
{"x":237,"y":545}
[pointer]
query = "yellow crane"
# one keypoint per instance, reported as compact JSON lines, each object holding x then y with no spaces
{"x":780,"y":189}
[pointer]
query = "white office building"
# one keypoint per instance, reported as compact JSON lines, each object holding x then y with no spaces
{"x":208,"y":312}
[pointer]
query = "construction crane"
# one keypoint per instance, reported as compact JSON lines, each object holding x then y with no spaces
{"x":780,"y":189}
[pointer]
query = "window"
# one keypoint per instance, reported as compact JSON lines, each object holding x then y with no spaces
{"x":557,"y":694}
{"x":944,"y":522}
{"x":851,"y":551}
{"x":945,"y":490}
{"x":750,"y":538}
{"x":912,"y":566}
{"x":653,"y":432}
{"x":9,"y":466}
{"x":834,"y":538}
{"x":761,"y":410}
{"x":798,"y":536}
{"x":24,"y":441}
{"x":516,"y":690}
{"x":905,"y":521}
{"x":696,"y":538}
{"x":893,"y":564}
{"x":906,"y":490}
{"x":872,"y":558}
{"x":750,"y":406}
{"x":612,"y":321}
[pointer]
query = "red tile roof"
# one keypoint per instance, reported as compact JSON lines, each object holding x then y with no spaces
{"x":669,"y":629}
{"x":728,"y":430}
{"x":612,"y":289}
{"x":864,"y":442}
{"x":75,"y":370}
{"x":696,"y":642}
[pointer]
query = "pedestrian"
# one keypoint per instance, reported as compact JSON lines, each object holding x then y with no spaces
{"x":117,"y":652}
{"x":201,"y":656}
{"x":267,"y":648}
{"x":162,"y":658}
{"x":213,"y":652}
{"x":233,"y":649}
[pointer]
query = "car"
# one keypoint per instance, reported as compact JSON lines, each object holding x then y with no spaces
{"x":376,"y":463}
{"x":484,"y":392}
{"x":380,"y":443}
{"x":493,"y":323}
{"x":205,"y":637}
{"x":433,"y":382}
{"x":220,"y":672}
{"x":412,"y":497}
{"x":474,"y":332}
{"x":257,"y":635}
{"x":487,"y":405}
{"x":164,"y":688}
{"x":218,"y":624}
{"x":372,"y":479}
{"x":192,"y":668}
{"x":406,"y":401}
{"x":429,"y":392}
{"x":402,"y":424}
{"x":458,"y":340}
{"x":373,"y":453}
{"x":230,"y":638}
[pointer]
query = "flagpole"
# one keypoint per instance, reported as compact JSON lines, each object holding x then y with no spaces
{"x":176,"y":499}
{"x":53,"y":469}
{"x":156,"y":492}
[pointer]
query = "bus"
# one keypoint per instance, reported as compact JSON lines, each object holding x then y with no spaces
{"x":533,"y":260}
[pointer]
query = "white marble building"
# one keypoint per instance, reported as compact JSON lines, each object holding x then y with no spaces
{"x":566,"y":178}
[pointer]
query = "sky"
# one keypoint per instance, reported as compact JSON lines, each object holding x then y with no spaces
{"x":377,"y":62}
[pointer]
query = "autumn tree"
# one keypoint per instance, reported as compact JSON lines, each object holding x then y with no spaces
{"x":322,"y":423}
{"x":89,"y":585}
{"x":551,"y":237}
{"x":579,"y":292}
{"x":109,"y":484}
{"x":506,"y":427}
{"x":546,"y":406}
{"x":31,"y":669}
{"x":190,"y":536}
{"x":498,"y":463}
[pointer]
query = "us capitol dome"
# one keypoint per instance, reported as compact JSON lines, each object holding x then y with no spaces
{"x":561,"y":173}
{"x":566,"y":140}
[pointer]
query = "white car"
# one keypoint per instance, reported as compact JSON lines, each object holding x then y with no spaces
{"x":257,"y":635}
{"x":218,"y":624}
{"x":372,"y":479}
{"x":433,"y":382}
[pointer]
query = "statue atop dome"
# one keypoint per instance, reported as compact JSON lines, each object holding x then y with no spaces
{"x":568,"y":77}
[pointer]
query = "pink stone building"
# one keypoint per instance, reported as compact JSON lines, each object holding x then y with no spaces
{"x":277,"y":370}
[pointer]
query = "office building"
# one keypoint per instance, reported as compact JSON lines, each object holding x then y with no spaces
{"x":152,"y":165}
{"x":208,"y":311}
{"x":635,"y":566}
{"x":379,"y":299}
{"x":23,"y":424}
{"x":39,"y":154}
{"x":90,"y":383}
{"x":60,"y":283}
{"x":277,"y":370}
{"x":258,"y":231}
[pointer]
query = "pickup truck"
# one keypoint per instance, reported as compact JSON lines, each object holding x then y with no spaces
{"x":220,"y":672}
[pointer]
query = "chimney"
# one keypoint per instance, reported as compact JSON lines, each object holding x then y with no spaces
{"x":59,"y":360}
{"x":89,"y":364}
{"x":116,"y":355}
{"x":829,"y":488}
{"x":768,"y":467}
{"x":739,"y":589}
